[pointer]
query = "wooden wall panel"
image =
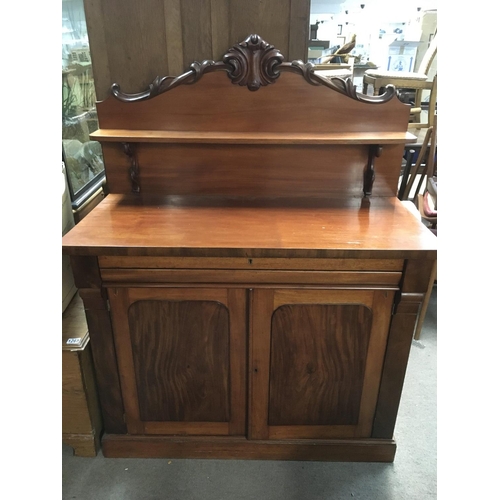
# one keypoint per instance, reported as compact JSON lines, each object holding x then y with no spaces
{"x":98,"y":47}
{"x":196,"y":21}
{"x":133,"y":42}
{"x":273,"y":170}
{"x":290,"y":105}
{"x":299,"y":29}
{"x":173,"y":37}
{"x":268,"y":18}
{"x":221,"y":39}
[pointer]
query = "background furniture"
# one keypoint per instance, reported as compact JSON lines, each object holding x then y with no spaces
{"x":81,"y":417}
{"x":418,"y":81}
{"x":339,"y":71}
{"x":425,"y":166}
{"x":251,"y":286}
{"x":418,"y":173}
{"x":416,"y":112}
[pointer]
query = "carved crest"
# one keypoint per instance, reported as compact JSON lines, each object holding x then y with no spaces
{"x":253,"y":63}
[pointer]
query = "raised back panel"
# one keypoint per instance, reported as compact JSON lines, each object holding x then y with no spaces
{"x":252,"y":125}
{"x":252,"y":170}
{"x":288,"y":105}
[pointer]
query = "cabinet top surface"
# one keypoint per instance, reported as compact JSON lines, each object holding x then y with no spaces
{"x":225,"y":227}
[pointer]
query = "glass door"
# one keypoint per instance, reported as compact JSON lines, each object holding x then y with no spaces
{"x":82,"y":156}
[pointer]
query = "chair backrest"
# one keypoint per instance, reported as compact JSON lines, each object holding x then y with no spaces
{"x":427,"y":157}
{"x":429,"y":55}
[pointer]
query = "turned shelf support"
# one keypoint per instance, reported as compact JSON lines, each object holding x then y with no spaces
{"x":134,"y":167}
{"x":374,"y":151}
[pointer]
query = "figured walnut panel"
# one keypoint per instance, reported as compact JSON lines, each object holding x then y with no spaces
{"x":181,"y":360}
{"x":318,"y":358}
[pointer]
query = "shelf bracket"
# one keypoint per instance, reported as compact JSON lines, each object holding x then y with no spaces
{"x":374,"y":151}
{"x":134,"y":167}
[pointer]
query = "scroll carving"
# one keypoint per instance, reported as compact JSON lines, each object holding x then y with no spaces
{"x":253,"y":63}
{"x":344,"y":86}
{"x":166,"y":83}
{"x":374,"y":151}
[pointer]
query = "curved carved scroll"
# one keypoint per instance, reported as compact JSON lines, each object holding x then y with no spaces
{"x":160,"y":85}
{"x":253,"y":63}
{"x":344,"y":86}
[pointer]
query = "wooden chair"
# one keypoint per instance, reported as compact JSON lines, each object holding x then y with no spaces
{"x":432,"y":219}
{"x":418,"y":81}
{"x":416,"y":110}
{"x":428,"y":155}
{"x":425,"y":303}
{"x":334,"y":70}
{"x":424,"y":164}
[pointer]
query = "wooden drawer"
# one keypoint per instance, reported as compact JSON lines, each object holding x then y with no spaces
{"x":249,"y":271}
{"x":112,"y":262}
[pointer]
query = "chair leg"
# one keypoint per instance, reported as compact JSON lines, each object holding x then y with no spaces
{"x":418,"y":104}
{"x":418,"y":163}
{"x":425,"y":304}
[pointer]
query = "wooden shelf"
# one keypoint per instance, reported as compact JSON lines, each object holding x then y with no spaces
{"x":182,"y":136}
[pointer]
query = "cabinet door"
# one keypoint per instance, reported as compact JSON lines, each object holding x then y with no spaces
{"x":181,"y":356}
{"x":315,"y":361}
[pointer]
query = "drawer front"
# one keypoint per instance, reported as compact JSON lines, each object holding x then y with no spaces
{"x":111,"y":262}
{"x":116,"y":271}
{"x":115,"y":277}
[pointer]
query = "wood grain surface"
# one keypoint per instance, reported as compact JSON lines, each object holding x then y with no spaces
{"x":318,"y":358}
{"x":178,"y":276}
{"x":181,"y":360}
{"x":253,"y":169}
{"x":88,"y":280}
{"x":133,"y":43}
{"x":290,"y":105}
{"x":228,"y":137}
{"x":324,"y":228}
{"x":351,"y":450}
{"x":112,"y":262}
{"x":407,"y":305}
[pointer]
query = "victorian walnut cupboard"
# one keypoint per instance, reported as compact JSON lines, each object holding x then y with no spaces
{"x":251,"y":283}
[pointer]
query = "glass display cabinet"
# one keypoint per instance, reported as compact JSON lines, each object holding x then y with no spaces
{"x":81,"y":155}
